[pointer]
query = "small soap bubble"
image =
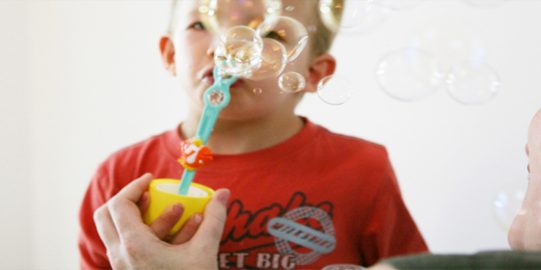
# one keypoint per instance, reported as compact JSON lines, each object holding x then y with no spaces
{"x":240,"y":50}
{"x":273,"y":60}
{"x":289,"y":8}
{"x":355,"y":16}
{"x":399,"y":4}
{"x":291,"y":82}
{"x":409,"y":74}
{"x":334,"y":90}
{"x":257,"y":91}
{"x":216,"y":97}
{"x":288,"y":31}
{"x":507,"y":205}
{"x":473,"y":83}
{"x":220,"y":15}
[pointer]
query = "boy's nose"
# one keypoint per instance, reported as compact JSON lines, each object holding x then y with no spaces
{"x":216,"y":41}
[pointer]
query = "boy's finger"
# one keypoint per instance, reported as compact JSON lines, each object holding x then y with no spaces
{"x":211,"y":228}
{"x":188,"y":230}
{"x":165,"y":222}
{"x":105,"y":227}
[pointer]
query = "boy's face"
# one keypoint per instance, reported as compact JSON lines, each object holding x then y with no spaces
{"x":191,"y":58}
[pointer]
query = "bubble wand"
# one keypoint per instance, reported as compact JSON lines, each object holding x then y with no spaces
{"x":215,"y":99}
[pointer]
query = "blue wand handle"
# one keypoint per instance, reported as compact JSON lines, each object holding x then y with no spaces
{"x":215,"y":99}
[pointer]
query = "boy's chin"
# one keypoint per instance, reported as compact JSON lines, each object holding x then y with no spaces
{"x":238,"y":112}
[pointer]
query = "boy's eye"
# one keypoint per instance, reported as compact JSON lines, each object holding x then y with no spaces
{"x":197,"y":26}
{"x":274,"y":35}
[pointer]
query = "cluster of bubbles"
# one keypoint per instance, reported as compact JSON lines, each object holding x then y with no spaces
{"x":258,"y":41}
{"x":440,"y":59}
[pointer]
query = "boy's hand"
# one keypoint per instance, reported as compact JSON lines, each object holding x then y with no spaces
{"x":132,"y":244}
{"x":525,"y":232}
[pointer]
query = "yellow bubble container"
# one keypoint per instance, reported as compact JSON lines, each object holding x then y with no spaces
{"x":163,"y":194}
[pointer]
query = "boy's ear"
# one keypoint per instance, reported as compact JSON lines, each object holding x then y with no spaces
{"x":321,"y":67}
{"x":167,"y":50}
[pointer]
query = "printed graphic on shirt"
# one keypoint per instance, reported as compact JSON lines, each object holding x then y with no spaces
{"x":278,"y":236}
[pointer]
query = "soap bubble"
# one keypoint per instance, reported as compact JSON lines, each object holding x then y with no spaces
{"x":352,"y":15}
{"x":399,"y":4}
{"x":473,"y":83}
{"x":291,"y":82}
{"x":288,"y":31}
{"x":506,"y":206}
{"x":216,"y":97}
{"x":273,"y":59}
{"x":240,"y":52}
{"x":290,"y":8}
{"x":409,"y":74}
{"x":257,"y":91}
{"x":485,"y":3}
{"x":450,"y":44}
{"x":334,"y":90}
{"x":220,"y":15}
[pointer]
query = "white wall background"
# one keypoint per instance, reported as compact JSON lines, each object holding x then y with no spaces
{"x":80,"y":79}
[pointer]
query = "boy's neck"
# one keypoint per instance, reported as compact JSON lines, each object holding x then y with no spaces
{"x":236,"y":137}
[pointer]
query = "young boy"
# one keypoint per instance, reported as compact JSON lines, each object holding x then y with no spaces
{"x":337,"y":193}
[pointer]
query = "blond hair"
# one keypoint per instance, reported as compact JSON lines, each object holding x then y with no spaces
{"x":321,"y":38}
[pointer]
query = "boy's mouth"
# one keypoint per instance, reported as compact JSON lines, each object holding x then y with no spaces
{"x":208,"y":77}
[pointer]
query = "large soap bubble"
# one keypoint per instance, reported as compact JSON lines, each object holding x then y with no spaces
{"x":410,"y":74}
{"x":473,"y":83}
{"x":355,"y":16}
{"x":273,"y":60}
{"x":450,"y":43}
{"x":334,"y":90}
{"x":220,"y":15}
{"x":240,"y":51}
{"x":288,"y":31}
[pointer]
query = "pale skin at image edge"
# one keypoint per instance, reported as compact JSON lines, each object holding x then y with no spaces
{"x":525,"y":231}
{"x":250,"y":122}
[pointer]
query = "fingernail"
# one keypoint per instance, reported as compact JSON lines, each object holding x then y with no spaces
{"x":197,"y":218}
{"x":223,"y":196}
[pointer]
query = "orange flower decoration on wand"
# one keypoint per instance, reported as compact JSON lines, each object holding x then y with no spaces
{"x":194,"y":154}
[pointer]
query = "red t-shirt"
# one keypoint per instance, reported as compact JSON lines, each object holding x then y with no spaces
{"x":316,"y":199}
